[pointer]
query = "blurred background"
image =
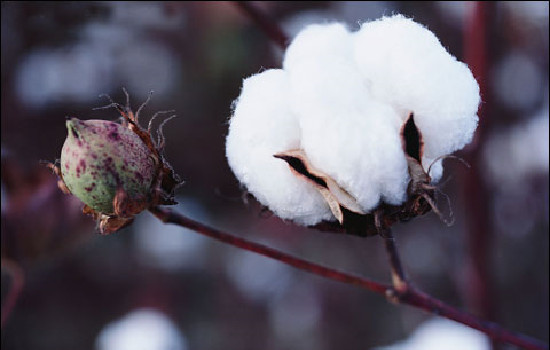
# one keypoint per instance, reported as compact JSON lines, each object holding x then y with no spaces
{"x":155,"y":286}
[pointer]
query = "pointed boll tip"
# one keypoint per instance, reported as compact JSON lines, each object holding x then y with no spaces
{"x":71,"y":122}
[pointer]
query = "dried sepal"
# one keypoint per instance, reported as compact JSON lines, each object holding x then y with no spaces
{"x":351,"y":219}
{"x":166,"y":179}
{"x":109,"y":223}
{"x":421,"y":192}
{"x":336,"y":197}
{"x":60,"y":183}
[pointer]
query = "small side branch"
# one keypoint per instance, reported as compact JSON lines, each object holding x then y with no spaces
{"x":409,"y":295}
{"x":399,"y":280}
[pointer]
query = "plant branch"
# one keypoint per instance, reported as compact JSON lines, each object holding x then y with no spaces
{"x":410,"y":295}
{"x":399,"y":280}
{"x":265,"y":22}
{"x":169,"y":216}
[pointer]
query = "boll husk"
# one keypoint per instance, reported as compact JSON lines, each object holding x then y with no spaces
{"x":328,"y":130}
{"x":115,"y":168}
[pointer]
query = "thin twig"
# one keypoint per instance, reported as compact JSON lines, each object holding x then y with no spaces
{"x":410,"y":295}
{"x":266,"y":23}
{"x":399,"y":280}
{"x":168,"y":216}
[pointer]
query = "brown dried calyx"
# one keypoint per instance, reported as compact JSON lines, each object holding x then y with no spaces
{"x":351,"y":219}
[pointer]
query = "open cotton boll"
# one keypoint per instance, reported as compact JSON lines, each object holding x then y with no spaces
{"x":345,"y":133}
{"x":262,"y":125}
{"x":334,"y":115}
{"x":406,"y":65}
{"x":319,"y":41}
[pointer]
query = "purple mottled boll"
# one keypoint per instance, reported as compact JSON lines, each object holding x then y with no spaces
{"x":100,"y":156}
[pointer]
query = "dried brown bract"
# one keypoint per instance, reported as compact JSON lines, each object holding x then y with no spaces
{"x":350,"y":217}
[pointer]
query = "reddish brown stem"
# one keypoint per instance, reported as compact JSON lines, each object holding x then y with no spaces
{"x":399,"y":280}
{"x":496,"y":332}
{"x":409,"y":296}
{"x":169,"y":216}
{"x":479,"y":294}
{"x":266,"y":23}
{"x":16,"y":285}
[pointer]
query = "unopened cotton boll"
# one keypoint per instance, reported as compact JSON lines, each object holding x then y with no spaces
{"x":342,"y":100}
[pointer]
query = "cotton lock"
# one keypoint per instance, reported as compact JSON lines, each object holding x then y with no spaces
{"x":341,"y":101}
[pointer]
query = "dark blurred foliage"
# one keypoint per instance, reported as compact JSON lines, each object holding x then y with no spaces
{"x":57,"y":57}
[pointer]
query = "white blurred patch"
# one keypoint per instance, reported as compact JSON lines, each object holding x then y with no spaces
{"x":294,"y":24}
{"x":142,"y":329}
{"x":295,"y":317}
{"x":351,"y":12}
{"x":442,"y":334}
{"x":516,"y":210}
{"x":517,"y":81}
{"x":455,"y":12}
{"x":514,"y":154}
{"x":535,"y":12}
{"x":146,"y":66}
{"x":108,"y":54}
{"x":140,"y":63}
{"x":513,"y":157}
{"x":147,"y":14}
{"x":169,"y":246}
{"x":257,"y":277}
{"x":64,"y":75}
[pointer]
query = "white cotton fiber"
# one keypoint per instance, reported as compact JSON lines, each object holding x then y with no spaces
{"x":345,"y":133}
{"x":406,"y":66}
{"x":262,"y":125}
{"x":343,"y":98}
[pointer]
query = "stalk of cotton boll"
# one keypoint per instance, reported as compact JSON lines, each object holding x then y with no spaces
{"x":337,"y":116}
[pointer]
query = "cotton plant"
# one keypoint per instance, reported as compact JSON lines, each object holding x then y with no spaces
{"x":353,"y":124}
{"x":350,"y":131}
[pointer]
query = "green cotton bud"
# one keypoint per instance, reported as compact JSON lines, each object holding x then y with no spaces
{"x":116,"y":168}
{"x":99,"y":157}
